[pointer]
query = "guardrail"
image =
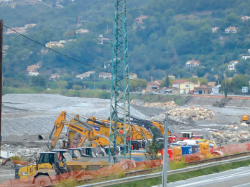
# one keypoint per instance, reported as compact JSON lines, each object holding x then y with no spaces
{"x":173,"y":172}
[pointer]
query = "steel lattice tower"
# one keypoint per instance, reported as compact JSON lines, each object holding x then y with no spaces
{"x":120,"y":99}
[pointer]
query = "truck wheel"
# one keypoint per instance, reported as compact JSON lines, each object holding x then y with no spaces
{"x":42,"y":181}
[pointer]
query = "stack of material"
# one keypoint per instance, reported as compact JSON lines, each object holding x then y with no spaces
{"x":233,"y":133}
{"x":193,"y":114}
{"x":166,"y":105}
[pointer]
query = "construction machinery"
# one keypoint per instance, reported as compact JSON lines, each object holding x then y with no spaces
{"x":139,"y":134}
{"x":92,"y":134}
{"x":48,"y":168}
{"x":245,"y":119}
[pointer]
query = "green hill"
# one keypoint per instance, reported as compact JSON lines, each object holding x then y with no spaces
{"x":173,"y":33}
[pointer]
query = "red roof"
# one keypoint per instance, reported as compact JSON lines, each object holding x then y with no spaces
{"x":179,"y":81}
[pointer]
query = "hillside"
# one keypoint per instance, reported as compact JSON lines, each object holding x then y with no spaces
{"x":173,"y":33}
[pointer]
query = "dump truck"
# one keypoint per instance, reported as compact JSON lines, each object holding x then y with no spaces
{"x":49,"y":168}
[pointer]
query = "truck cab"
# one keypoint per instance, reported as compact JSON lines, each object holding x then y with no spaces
{"x":43,"y":172}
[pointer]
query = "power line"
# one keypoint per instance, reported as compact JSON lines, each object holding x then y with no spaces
{"x":103,"y":70}
{"x":55,"y":50}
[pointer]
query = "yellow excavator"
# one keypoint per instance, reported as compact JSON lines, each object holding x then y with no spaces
{"x":94,"y":135}
{"x":139,"y":134}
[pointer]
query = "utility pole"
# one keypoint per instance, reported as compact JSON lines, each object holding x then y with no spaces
{"x":179,"y":85}
{"x":165,"y":154}
{"x":94,"y":81}
{"x":120,"y":98}
{"x":1,"y":80}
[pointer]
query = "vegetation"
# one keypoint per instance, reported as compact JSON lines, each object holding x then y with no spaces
{"x":16,"y":158}
{"x":184,"y":176}
{"x":151,"y":98}
{"x":154,"y":147}
{"x":174,"y":32}
{"x":222,"y":102}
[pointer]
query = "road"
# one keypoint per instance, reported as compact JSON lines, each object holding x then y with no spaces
{"x":239,"y":177}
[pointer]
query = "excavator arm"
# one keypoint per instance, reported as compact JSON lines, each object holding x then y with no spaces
{"x":85,"y":129}
{"x":58,"y":127}
{"x":137,"y":132}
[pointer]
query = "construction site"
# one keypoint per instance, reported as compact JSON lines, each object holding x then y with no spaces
{"x":29,"y":119}
{"x":50,"y":139}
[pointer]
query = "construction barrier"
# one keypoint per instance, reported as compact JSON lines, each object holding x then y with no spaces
{"x":124,"y":166}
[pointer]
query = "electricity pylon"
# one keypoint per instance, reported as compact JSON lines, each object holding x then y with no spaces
{"x":120,"y":99}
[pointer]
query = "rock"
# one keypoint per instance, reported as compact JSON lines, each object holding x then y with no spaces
{"x":244,"y":125}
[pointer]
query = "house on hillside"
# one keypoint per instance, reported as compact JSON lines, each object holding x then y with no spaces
{"x":54,"y":76}
{"x":20,"y":30}
{"x":231,"y":30}
{"x":82,"y":31}
{"x":33,"y":73}
{"x":171,"y":76}
{"x":215,"y":29}
{"x":52,"y":44}
{"x":34,"y":67}
{"x":105,"y":75}
{"x":232,"y":65}
{"x":245,"y":57}
{"x":192,"y":63}
{"x":245,"y":18}
{"x":183,"y":86}
{"x":29,"y":25}
{"x":132,"y":76}
{"x":140,"y":19}
{"x":103,"y":40}
{"x":84,"y":75}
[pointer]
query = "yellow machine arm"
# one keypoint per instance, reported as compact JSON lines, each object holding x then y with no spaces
{"x":83,"y":128}
{"x":161,"y":127}
{"x":137,"y":132}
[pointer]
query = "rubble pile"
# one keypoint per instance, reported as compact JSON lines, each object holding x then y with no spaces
{"x":30,"y":154}
{"x":161,"y":105}
{"x":166,"y":105}
{"x":193,"y":114}
{"x":233,"y":133}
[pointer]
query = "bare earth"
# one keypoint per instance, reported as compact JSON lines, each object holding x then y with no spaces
{"x":24,"y":116}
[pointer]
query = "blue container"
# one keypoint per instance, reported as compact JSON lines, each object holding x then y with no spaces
{"x":186,"y":150}
{"x":1,"y":138}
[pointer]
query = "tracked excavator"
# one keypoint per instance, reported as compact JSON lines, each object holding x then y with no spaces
{"x":159,"y":128}
{"x":92,"y":134}
{"x":139,"y":134}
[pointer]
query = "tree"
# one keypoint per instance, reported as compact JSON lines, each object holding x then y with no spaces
{"x":154,"y":146}
{"x":239,"y":81}
{"x":167,"y":81}
{"x":38,"y":80}
{"x":62,"y":84}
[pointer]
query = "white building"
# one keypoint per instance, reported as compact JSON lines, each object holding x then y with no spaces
{"x":231,"y":30}
{"x":192,"y":63}
{"x":245,"y":57}
{"x":82,"y":31}
{"x":105,"y":75}
{"x":84,"y":75}
{"x":33,"y":73}
{"x":216,"y":89}
{"x":232,"y":65}
{"x":215,"y":29}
